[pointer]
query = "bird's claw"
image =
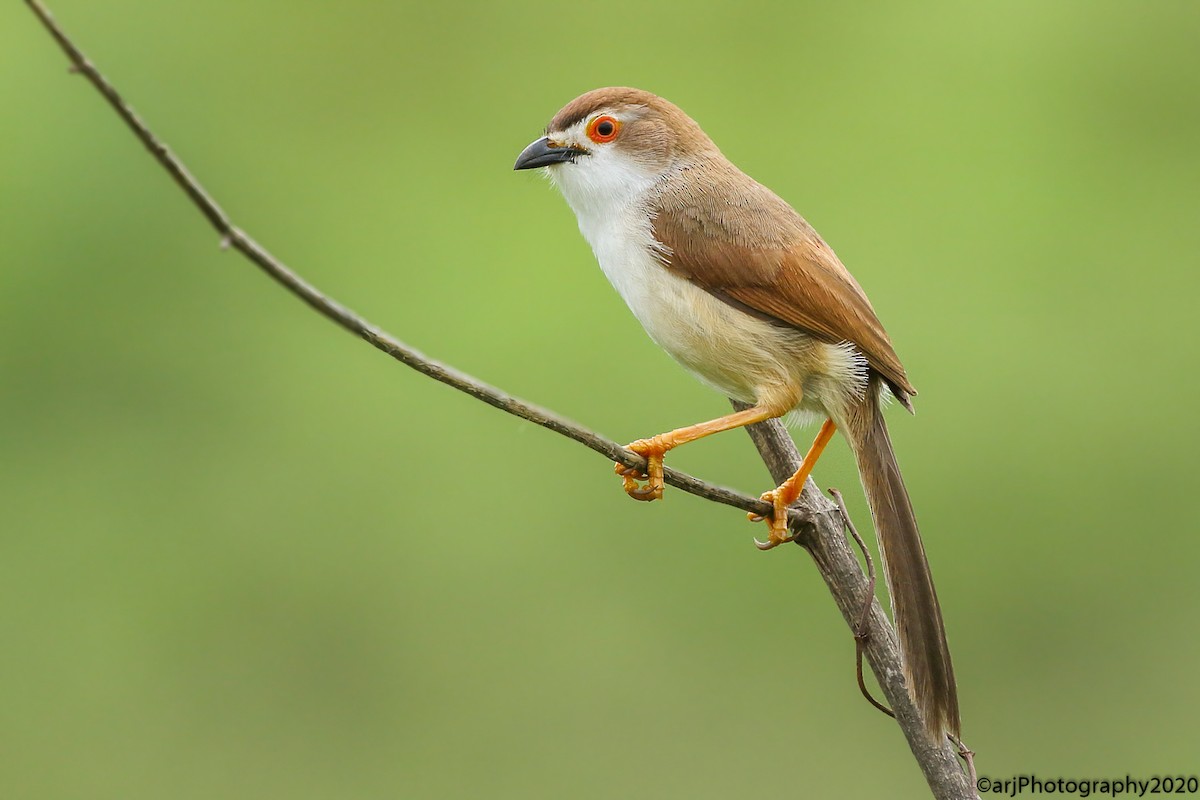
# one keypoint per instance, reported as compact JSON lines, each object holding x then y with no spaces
{"x":652,"y":451}
{"x":773,"y":543}
{"x":777,"y":523}
{"x":647,"y":493}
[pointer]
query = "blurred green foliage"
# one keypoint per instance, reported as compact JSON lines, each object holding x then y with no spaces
{"x":244,"y":555}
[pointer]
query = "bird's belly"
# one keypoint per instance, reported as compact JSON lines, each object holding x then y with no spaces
{"x":745,"y":357}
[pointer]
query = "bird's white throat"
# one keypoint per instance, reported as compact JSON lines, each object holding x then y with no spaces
{"x":609,"y":196}
{"x":613,"y":203}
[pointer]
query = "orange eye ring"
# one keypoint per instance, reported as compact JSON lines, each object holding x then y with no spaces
{"x":603,"y":129}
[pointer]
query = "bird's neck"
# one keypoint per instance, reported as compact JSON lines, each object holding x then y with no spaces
{"x":612,"y":207}
{"x":599,"y":194}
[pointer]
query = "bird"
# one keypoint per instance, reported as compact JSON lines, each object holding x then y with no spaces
{"x":739,"y":289}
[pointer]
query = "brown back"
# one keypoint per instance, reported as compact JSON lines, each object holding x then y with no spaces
{"x":738,"y":240}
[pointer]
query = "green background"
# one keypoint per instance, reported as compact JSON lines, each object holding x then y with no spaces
{"x":244,"y":555}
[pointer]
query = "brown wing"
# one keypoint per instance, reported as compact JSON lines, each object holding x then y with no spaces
{"x":738,"y":240}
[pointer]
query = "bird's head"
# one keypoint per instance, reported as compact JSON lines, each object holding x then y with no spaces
{"x":609,"y":145}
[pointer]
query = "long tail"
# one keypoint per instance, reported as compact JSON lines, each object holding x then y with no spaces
{"x":914,"y":600}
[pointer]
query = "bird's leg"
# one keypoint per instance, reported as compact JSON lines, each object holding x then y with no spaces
{"x":654,"y":448}
{"x":787,"y":492}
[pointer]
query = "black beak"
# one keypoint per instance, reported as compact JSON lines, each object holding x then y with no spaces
{"x":544,"y":152}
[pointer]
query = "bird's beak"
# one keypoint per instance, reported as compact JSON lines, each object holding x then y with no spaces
{"x":544,"y":152}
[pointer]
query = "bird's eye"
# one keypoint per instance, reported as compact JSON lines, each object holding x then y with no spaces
{"x":603,"y":129}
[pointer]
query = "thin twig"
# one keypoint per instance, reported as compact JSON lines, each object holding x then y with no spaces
{"x":968,"y":757}
{"x":862,"y":631}
{"x":235,"y":237}
{"x":813,"y":519}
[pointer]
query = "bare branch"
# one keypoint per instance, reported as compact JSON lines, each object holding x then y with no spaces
{"x":816,"y":520}
{"x":235,"y":237}
{"x":852,"y":591}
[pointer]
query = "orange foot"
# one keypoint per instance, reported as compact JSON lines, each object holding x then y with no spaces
{"x":789,"y":491}
{"x":653,"y":450}
{"x":777,"y":525}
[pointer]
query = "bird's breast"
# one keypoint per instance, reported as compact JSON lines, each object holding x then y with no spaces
{"x":744,"y":357}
